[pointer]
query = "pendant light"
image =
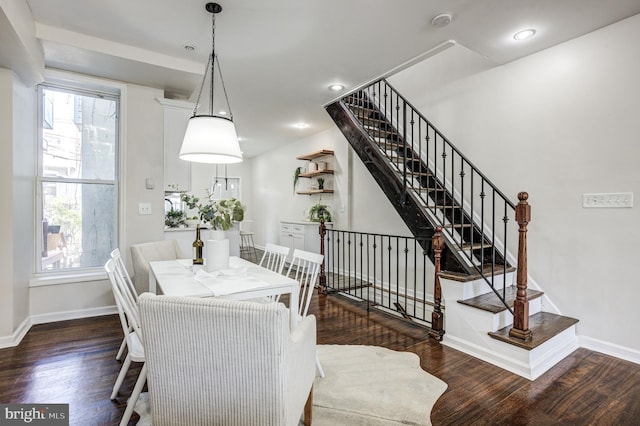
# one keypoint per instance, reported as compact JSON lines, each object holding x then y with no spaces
{"x":211,"y":138}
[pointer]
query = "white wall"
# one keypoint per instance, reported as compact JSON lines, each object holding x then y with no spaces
{"x":24,"y":155}
{"x":558,"y":124}
{"x":7,"y":325}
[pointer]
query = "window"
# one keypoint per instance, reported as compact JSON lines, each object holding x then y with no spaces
{"x":77,"y":171}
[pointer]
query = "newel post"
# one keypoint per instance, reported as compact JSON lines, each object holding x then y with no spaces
{"x":323,"y":276}
{"x":520,"y":327}
{"x":437,"y":326}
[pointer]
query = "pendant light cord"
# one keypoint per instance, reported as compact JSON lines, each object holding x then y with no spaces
{"x":212,"y":63}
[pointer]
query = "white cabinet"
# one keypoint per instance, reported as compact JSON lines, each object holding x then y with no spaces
{"x":301,"y":235}
{"x":292,"y":236}
{"x":176,"y":116}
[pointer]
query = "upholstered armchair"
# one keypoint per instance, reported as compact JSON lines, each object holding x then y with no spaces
{"x":223,"y":362}
{"x":142,"y":254}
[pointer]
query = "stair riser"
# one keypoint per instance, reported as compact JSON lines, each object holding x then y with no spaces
{"x":485,"y":321}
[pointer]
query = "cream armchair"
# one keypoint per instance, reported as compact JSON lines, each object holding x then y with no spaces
{"x":223,"y":362}
{"x":142,"y":254}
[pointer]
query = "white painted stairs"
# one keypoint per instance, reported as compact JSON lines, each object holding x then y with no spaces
{"x":484,"y":333}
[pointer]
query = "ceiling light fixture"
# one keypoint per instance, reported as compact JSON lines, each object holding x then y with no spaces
{"x":210,"y":138}
{"x":441,"y":20}
{"x":524,"y":34}
{"x":301,"y":125}
{"x":336,"y":87}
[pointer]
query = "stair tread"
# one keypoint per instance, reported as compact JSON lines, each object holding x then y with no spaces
{"x":463,"y":277}
{"x":475,"y":246}
{"x":543,"y":326}
{"x":492,"y":303}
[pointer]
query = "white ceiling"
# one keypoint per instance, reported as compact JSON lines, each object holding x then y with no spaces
{"x":278,"y":57}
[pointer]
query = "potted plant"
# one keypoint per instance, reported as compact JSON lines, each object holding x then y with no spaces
{"x":320,"y":183}
{"x":296,"y":177}
{"x":218,"y":214}
{"x":319,"y":212}
{"x":174,"y":218}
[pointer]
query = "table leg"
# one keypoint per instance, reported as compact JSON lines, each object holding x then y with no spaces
{"x":152,"y":282}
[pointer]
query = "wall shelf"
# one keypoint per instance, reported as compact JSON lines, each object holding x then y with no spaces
{"x":316,"y":173}
{"x":315,"y":191}
{"x":317,"y":154}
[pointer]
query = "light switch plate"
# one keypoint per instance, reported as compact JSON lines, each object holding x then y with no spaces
{"x":144,"y":208}
{"x":608,"y":200}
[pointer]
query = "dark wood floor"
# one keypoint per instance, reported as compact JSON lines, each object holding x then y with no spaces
{"x":73,"y":362}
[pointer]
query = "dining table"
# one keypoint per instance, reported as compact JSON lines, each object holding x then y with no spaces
{"x":243,"y":280}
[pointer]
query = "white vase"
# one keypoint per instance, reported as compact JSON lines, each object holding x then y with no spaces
{"x":217,"y":256}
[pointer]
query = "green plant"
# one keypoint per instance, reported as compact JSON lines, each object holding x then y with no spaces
{"x":219,"y":214}
{"x":296,"y":177}
{"x":174,"y":218}
{"x":318,"y":212}
{"x":320,"y":183}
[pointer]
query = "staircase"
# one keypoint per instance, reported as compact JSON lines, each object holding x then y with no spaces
{"x":432,"y":185}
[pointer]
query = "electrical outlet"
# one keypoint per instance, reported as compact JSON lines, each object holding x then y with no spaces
{"x":608,"y":200}
{"x":144,"y":208}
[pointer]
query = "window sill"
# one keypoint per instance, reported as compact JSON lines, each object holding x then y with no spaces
{"x":67,"y":278}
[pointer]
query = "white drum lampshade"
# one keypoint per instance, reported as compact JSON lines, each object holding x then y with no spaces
{"x":210,"y":139}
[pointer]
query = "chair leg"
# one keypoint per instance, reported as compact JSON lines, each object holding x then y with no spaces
{"x":308,"y":409}
{"x":137,"y":389}
{"x":121,"y":350}
{"x":319,"y":367}
{"x":255,"y":253}
{"x":121,"y":375}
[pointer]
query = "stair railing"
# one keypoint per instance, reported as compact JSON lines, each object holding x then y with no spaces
{"x":389,"y":272}
{"x":453,"y":191}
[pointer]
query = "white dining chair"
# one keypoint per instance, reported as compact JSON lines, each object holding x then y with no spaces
{"x":304,"y":268}
{"x":130,"y":320}
{"x":274,"y":257}
{"x":121,"y":269}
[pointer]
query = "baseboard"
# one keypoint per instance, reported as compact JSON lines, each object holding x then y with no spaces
{"x":77,"y":314}
{"x":17,"y":336}
{"x":608,"y":348}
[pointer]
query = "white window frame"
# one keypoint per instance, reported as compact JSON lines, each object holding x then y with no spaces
{"x":76,"y":84}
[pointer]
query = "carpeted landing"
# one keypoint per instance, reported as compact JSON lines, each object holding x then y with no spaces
{"x":364,"y":385}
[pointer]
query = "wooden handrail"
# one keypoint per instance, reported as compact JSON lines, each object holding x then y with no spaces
{"x":437,"y":326}
{"x":520,"y":327}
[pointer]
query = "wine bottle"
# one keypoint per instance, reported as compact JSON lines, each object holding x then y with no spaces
{"x":198,"y":245}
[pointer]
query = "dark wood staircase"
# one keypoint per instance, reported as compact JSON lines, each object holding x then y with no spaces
{"x":417,"y":193}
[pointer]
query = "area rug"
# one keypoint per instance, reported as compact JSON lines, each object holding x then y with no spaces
{"x":371,"y":385}
{"x":364,"y":386}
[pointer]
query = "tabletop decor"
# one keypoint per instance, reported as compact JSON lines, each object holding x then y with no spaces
{"x":219,"y":215}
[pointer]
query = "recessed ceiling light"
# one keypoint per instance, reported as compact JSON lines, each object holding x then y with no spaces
{"x":336,"y":87}
{"x":301,"y":125}
{"x":441,"y":20}
{"x":524,"y":34}
{"x":189,"y":48}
